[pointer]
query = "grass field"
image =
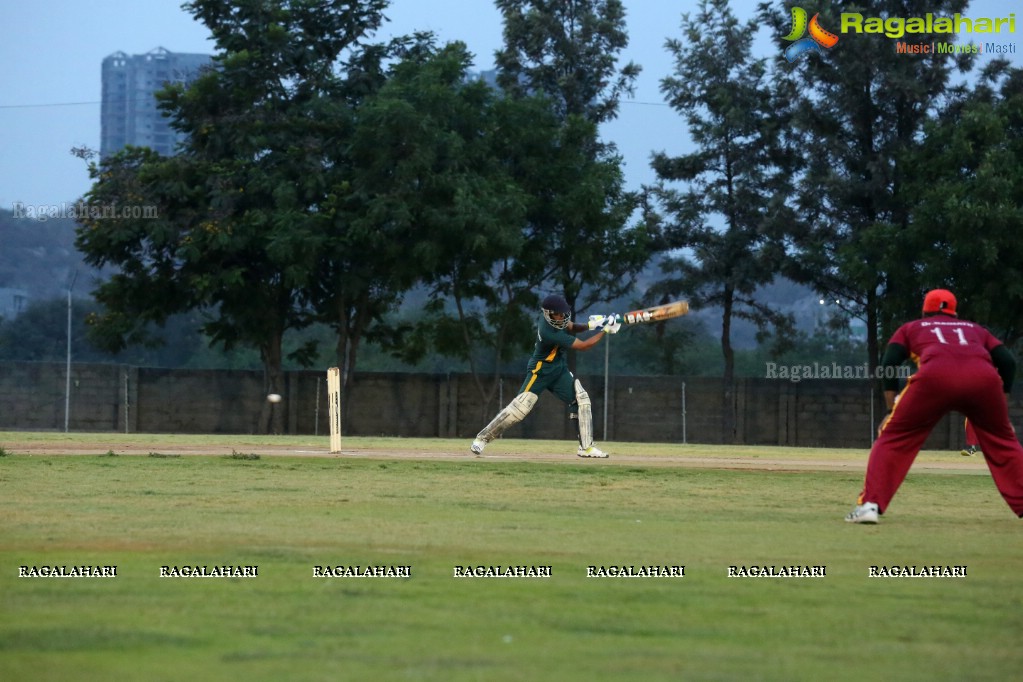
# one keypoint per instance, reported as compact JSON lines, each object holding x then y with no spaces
{"x":144,"y":502}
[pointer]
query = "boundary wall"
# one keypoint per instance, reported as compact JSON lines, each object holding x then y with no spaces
{"x":125,"y":399}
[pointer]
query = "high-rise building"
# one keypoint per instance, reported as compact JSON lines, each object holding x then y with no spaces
{"x":129,"y":112}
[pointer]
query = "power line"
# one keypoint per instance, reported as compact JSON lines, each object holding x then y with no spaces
{"x":51,"y":104}
{"x":66,"y":104}
{"x":123,"y":101}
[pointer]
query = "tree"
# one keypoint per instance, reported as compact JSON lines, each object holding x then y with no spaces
{"x":239,"y":206}
{"x":554,"y":208}
{"x":578,"y":240}
{"x":425,"y":198}
{"x":857,"y":111}
{"x":39,"y":334}
{"x":566,"y":50}
{"x":967,"y":196}
{"x":481,"y":299}
{"x":722,"y":226}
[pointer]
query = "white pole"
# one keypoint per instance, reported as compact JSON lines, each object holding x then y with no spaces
{"x":683,"y":413}
{"x":127,"y":411}
{"x":607,"y":359}
{"x":67,"y":380}
{"x":873,"y":428}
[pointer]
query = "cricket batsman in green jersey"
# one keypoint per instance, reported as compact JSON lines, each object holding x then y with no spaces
{"x":548,"y":370}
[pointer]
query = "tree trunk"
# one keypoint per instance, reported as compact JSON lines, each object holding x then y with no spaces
{"x":728,"y":418}
{"x":271,"y":417}
{"x":874,"y":350}
{"x":347,"y":351}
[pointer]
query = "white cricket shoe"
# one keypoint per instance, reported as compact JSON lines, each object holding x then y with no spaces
{"x":477,"y":446}
{"x":864,"y":513}
{"x":592,"y":451}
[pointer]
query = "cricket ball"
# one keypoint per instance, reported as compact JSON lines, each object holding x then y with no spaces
{"x":274,"y":397}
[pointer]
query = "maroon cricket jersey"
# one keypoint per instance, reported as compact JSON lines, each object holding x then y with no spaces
{"x":956,"y":373}
{"x":945,"y":341}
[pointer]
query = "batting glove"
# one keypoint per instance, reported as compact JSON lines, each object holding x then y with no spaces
{"x":597,"y":321}
{"x":613,"y":324}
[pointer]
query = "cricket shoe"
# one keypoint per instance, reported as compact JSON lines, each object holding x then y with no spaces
{"x":592,"y":451}
{"x":477,"y":446}
{"x":864,"y":513}
{"x":969,"y":452}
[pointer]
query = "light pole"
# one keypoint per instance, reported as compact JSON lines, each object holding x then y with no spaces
{"x":67,"y":382}
{"x":607,"y":365}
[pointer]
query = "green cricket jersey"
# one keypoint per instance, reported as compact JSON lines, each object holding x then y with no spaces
{"x":547,"y":365}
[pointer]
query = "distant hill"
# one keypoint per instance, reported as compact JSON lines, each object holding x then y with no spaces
{"x":783,"y":295}
{"x":39,"y":256}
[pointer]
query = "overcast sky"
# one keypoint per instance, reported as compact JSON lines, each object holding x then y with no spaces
{"x":51,"y":52}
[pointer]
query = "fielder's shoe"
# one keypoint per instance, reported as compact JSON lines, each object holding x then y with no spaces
{"x":477,"y":446}
{"x":864,"y":513}
{"x":592,"y":451}
{"x":969,"y":451}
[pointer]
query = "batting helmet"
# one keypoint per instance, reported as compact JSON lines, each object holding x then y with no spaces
{"x":553,"y":305}
{"x":940,"y":301}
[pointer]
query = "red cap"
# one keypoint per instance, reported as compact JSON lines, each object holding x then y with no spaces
{"x":940,"y":301}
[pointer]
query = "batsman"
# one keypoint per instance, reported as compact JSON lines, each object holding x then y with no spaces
{"x":548,"y":370}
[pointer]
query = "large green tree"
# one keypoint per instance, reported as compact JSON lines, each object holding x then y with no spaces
{"x":479,"y":303}
{"x":427,"y":200}
{"x":556,"y":210}
{"x":859,"y":108}
{"x":722,"y":225}
{"x":238,"y":207}
{"x":579,"y":242}
{"x":568,"y":50}
{"x":967,"y":190}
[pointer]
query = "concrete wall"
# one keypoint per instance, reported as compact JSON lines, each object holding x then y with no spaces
{"x":124,"y":399}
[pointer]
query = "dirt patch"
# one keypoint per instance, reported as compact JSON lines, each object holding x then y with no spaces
{"x":855,"y":462}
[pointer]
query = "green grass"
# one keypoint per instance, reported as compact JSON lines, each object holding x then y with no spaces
{"x":287,"y":514}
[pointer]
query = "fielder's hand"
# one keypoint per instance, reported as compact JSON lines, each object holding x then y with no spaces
{"x":613,"y":323}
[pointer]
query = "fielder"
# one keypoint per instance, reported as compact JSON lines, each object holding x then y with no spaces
{"x":962,"y":368}
{"x":548,"y":370}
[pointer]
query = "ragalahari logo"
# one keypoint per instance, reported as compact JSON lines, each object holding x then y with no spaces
{"x":818,"y":38}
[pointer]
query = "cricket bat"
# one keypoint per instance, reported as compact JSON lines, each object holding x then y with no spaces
{"x":665,"y":311}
